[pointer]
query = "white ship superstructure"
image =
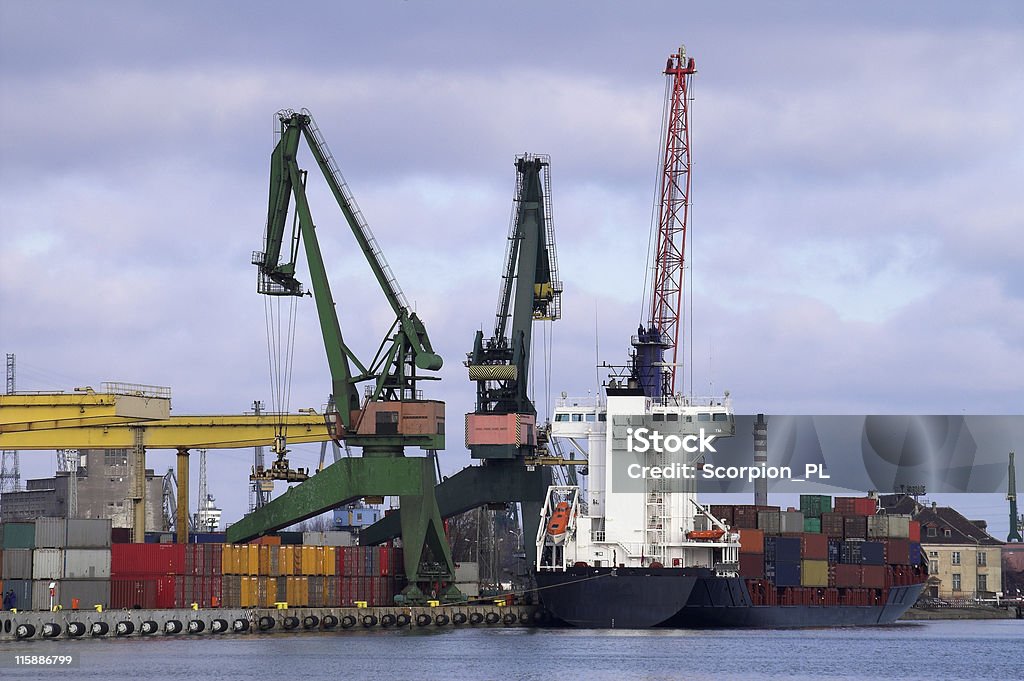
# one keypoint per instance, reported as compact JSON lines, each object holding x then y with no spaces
{"x":627,"y":518}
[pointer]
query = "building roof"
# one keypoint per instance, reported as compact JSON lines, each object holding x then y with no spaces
{"x":942,"y":518}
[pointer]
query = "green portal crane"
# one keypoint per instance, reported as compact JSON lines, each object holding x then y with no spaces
{"x":502,"y":431}
{"x":392,"y":415}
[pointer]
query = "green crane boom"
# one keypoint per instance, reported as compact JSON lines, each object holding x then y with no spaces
{"x":393,"y":414}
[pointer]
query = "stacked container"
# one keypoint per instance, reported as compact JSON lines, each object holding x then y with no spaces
{"x":71,"y":563}
{"x":143,"y":575}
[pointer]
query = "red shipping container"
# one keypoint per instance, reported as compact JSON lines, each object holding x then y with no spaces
{"x":165,"y":591}
{"x":133,"y":592}
{"x":847,"y":575}
{"x":751,"y":541}
{"x":915,"y":531}
{"x":873,"y":576}
{"x":832,"y":525}
{"x":752,"y":565}
{"x":147,"y":559}
{"x":897,"y":551}
{"x":268,"y":539}
{"x":865,"y":506}
{"x":814,"y":546}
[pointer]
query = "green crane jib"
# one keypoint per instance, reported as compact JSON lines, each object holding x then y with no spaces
{"x":393,"y":414}
{"x":502,"y":431}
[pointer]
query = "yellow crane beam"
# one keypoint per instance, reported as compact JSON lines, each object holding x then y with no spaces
{"x":175,"y":432}
{"x":49,"y":411}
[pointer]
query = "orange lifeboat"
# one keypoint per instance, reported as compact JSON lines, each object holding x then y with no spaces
{"x":559,"y":522}
{"x":705,"y":535}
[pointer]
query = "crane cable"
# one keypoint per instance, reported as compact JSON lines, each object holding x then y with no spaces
{"x":280,"y":357}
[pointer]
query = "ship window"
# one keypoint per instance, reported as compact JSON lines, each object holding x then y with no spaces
{"x":590,"y":417}
{"x":703,"y":417}
{"x":602,"y":417}
{"x":672,"y":417}
{"x":577,"y":418}
{"x":689,"y":419}
{"x":721,"y":417}
{"x":561,"y":417}
{"x":659,"y":417}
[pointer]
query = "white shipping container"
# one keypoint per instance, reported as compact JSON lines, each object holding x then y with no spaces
{"x":791,"y":521}
{"x":87,"y":563}
{"x":17,"y":564}
{"x":899,"y":526}
{"x":47,"y":564}
{"x":467,"y":572}
{"x":469,"y":589}
{"x":878,"y":526}
{"x":331,"y":538}
{"x":51,"y":533}
{"x":88,"y":533}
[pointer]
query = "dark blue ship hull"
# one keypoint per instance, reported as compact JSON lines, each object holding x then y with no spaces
{"x":637,"y":598}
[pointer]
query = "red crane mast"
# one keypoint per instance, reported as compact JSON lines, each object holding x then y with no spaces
{"x":673,"y":212}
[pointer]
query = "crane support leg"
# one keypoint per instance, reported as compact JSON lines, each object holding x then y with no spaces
{"x":138,"y":485}
{"x":411,"y":479}
{"x":496,"y":482}
{"x":181,"y":522}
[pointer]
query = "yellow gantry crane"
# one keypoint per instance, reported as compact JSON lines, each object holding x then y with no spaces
{"x":137,"y":417}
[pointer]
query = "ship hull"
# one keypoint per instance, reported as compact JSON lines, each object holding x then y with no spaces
{"x":693,"y":598}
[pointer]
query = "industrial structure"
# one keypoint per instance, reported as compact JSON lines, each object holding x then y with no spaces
{"x":10,"y":473}
{"x":392,"y":413}
{"x":1016,"y":520}
{"x":502,"y":432}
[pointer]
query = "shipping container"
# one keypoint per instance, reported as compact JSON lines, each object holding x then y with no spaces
{"x":835,"y":550}
{"x":47,"y":563}
{"x":782,"y":549}
{"x":121,"y":535}
{"x":873,"y":576}
{"x":751,"y":541}
{"x":914,"y":554}
{"x":856,"y":506}
{"x":791,"y":522}
{"x":147,"y":559}
{"x":17,"y":564}
{"x":832,"y":525}
{"x":87,"y":563}
{"x":872,"y":553}
{"x":723,"y":512}
{"x":290,"y":538}
{"x":814,"y":546}
{"x":813,"y":573}
{"x":812,"y":525}
{"x":332,"y":538}
{"x":132,"y":593}
{"x":851,"y":552}
{"x":88,"y":533}
{"x":19,"y":536}
{"x":207,"y":538}
{"x":22,"y":589}
{"x":855,"y":527}
{"x":914,"y":531}
{"x":813,"y":505}
{"x":768,"y":522}
{"x":751,"y":565}
{"x":897,"y":552}
{"x":268,"y":540}
{"x":51,"y":533}
{"x":847,"y":575}
{"x":878,"y":527}
{"x":899,"y":526}
{"x":783,"y":573}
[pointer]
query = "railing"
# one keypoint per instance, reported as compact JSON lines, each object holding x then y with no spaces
{"x":136,"y":389}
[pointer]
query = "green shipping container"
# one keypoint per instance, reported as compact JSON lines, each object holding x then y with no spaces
{"x":812,"y":525}
{"x":19,"y":535}
{"x":813,"y":505}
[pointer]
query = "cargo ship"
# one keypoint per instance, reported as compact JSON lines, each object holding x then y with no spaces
{"x":638,"y":551}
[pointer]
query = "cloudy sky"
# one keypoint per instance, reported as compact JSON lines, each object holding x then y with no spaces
{"x":856,"y":235}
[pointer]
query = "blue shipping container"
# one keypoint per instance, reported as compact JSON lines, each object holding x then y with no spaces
{"x":915,"y":553}
{"x":835,"y":551}
{"x":872,"y":553}
{"x":782,"y":549}
{"x":786,"y":573}
{"x":851,"y":552}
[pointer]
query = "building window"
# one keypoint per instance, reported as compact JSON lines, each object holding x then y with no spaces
{"x":982,"y":582}
{"x":982,"y":560}
{"x":956,"y":558}
{"x":933,"y":554}
{"x":956,"y":581}
{"x":933,"y":566}
{"x":932,"y":532}
{"x":947,"y":533}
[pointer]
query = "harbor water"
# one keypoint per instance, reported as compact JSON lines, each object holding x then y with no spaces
{"x":991,"y":649}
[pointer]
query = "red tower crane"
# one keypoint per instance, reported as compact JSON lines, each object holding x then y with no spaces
{"x":657,"y":346}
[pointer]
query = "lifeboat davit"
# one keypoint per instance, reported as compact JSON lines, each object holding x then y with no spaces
{"x":705,"y":535}
{"x":559,"y":522}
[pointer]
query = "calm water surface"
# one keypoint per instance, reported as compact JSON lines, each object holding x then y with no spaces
{"x":920,"y":650}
